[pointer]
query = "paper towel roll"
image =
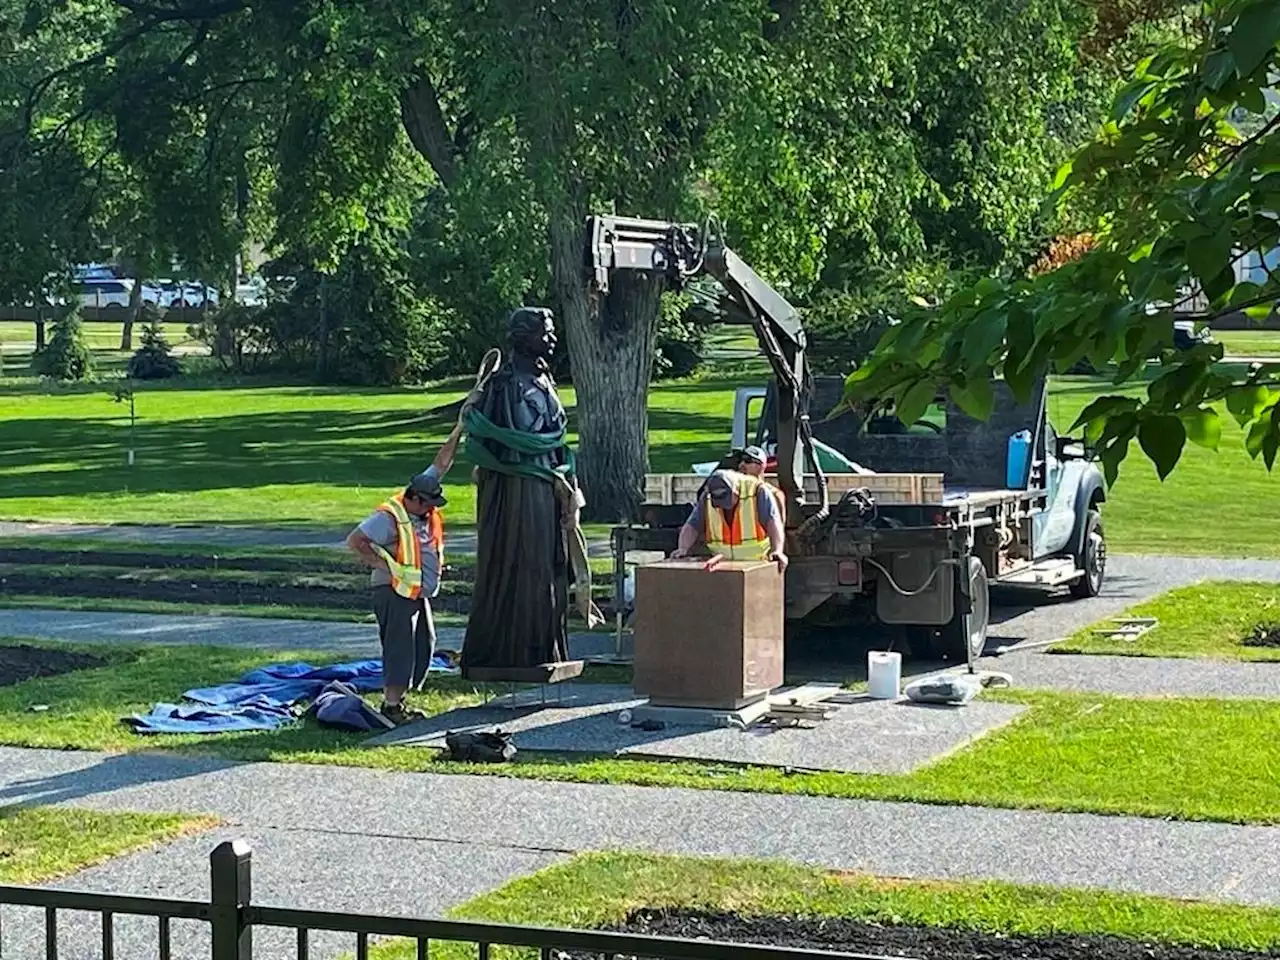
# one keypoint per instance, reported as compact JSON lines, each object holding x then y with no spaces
{"x":884,"y":674}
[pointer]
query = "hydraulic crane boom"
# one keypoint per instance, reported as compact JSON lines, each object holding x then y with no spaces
{"x":681,"y":252}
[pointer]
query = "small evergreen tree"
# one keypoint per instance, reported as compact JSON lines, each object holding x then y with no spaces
{"x":154,"y":359}
{"x":67,"y":355}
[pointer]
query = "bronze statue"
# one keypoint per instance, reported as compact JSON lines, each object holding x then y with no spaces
{"x":529,"y":545}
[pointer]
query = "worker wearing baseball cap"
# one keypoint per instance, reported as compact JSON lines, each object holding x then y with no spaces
{"x":402,"y":543}
{"x":752,"y":461}
{"x":737,"y":517}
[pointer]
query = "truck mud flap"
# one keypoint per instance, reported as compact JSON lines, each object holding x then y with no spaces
{"x":916,"y":586}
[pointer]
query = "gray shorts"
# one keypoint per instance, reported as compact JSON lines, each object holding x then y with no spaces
{"x":408,"y":637}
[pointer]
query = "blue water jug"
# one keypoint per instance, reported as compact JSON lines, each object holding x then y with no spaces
{"x":1018,"y":461}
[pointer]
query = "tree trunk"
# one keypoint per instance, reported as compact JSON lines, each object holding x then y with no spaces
{"x":611,"y":351}
{"x":131,"y":317}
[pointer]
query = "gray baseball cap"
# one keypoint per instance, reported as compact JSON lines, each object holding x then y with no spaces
{"x":755,"y":454}
{"x":428,"y":489}
{"x":720,"y":488}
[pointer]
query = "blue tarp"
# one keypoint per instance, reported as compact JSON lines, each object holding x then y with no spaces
{"x":262,"y":699}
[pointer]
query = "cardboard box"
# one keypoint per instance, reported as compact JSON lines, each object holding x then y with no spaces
{"x":708,"y":638}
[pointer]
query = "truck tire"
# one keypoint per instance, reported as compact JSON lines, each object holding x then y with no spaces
{"x":1092,"y":558}
{"x":965,"y":637}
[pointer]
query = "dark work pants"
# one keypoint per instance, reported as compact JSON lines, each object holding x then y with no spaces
{"x":408,"y":636}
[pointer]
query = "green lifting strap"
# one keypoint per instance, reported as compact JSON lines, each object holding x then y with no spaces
{"x":479,"y":427}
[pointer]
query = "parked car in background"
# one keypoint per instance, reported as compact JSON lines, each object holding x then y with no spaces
{"x":193,"y":295}
{"x":103,"y":293}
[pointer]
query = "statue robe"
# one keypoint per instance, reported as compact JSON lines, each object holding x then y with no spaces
{"x":520,"y":601}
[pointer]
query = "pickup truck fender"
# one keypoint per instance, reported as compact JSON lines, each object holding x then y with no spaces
{"x":1092,"y":491}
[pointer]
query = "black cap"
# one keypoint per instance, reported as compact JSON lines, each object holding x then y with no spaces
{"x":426,"y":487}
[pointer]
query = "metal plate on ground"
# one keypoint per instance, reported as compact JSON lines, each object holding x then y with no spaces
{"x":865,"y":736}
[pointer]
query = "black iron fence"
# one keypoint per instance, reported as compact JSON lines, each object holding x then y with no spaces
{"x":232,"y":917}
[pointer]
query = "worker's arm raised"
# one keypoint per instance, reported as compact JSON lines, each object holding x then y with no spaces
{"x":444,"y":456}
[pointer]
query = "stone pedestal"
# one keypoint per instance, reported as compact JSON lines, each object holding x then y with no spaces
{"x":710,"y":639}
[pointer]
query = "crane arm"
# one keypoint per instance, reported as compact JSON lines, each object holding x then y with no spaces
{"x":680,"y":252}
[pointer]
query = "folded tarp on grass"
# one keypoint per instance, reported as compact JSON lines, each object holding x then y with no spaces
{"x":263,"y":699}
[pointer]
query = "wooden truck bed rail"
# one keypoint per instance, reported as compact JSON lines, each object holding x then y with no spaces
{"x":670,"y":489}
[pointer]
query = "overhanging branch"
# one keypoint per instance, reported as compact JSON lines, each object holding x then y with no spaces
{"x":424,"y":122}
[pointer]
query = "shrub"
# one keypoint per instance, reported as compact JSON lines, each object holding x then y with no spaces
{"x":154,"y":359}
{"x":66,"y":356}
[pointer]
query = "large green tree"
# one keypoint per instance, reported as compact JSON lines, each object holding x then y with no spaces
{"x":828,"y":133}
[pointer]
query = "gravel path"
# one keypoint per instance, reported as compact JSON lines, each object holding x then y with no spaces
{"x":329,"y":837}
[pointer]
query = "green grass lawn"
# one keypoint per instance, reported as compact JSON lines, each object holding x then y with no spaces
{"x":1249,"y":343}
{"x":1202,"y":620}
{"x":42,"y":843}
{"x":326,"y":456}
{"x":601,"y":890}
{"x":1189,"y":759}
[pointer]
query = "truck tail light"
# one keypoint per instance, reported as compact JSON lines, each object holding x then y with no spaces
{"x":849,"y":573}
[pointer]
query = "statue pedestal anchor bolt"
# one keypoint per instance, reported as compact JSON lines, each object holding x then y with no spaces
{"x":529,"y":546}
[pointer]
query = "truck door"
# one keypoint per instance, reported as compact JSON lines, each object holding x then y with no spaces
{"x":1052,"y":528}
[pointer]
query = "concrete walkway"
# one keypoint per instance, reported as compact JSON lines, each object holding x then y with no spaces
{"x":334,"y":838}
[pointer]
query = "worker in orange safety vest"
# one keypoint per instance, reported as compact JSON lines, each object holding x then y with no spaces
{"x":752,"y":461}
{"x":737,"y":517}
{"x":402,"y":543}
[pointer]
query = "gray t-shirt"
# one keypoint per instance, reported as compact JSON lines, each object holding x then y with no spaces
{"x":766,"y":508}
{"x":380,"y":527}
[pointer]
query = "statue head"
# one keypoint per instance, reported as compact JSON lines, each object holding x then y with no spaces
{"x":531,"y":332}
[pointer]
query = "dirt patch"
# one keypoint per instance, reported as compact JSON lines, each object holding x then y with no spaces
{"x":927,"y":943}
{"x":1263,"y":635}
{"x":22,"y":662}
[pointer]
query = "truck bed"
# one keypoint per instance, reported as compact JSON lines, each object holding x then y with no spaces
{"x":669,"y":489}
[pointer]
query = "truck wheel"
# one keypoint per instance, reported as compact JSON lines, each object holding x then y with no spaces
{"x":1092,"y":558}
{"x":965,"y":637}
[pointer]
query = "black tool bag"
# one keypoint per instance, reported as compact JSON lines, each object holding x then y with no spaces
{"x":479,"y":747}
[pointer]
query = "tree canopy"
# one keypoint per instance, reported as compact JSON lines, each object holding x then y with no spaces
{"x":1183,"y":181}
{"x":452,"y":150}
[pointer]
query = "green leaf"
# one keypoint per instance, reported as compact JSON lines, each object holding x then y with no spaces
{"x":1204,"y":427}
{"x":1128,"y":98}
{"x":915,"y":401}
{"x":1259,"y":311}
{"x":983,"y":336}
{"x":1254,"y":440}
{"x":1253,"y":35}
{"x":1218,"y":69}
{"x":1162,"y":439}
{"x":975,"y":397}
{"x":1246,"y":403}
{"x":1104,"y":407}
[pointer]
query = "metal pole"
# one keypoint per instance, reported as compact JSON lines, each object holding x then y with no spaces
{"x":230,"y":870}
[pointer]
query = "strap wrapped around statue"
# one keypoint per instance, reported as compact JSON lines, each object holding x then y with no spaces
{"x":528,"y":538}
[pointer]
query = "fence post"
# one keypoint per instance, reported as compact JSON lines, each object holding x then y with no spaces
{"x":231,"y":866}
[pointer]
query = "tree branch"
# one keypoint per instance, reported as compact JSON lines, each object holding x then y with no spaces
{"x":158,"y":14}
{"x":424,"y":122}
{"x":784,"y":12}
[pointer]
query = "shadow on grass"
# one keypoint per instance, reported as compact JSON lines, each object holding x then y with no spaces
{"x":376,"y":449}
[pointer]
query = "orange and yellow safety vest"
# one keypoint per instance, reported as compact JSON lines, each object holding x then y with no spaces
{"x":741,"y":536}
{"x":406,"y":565}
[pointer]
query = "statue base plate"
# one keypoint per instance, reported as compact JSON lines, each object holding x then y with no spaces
{"x":539,"y":673}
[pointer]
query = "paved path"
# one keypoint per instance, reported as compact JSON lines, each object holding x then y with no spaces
{"x":335,"y":838}
{"x":1131,"y":580}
